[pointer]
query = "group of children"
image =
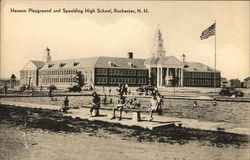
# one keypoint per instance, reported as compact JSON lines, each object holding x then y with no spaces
{"x":155,"y":105}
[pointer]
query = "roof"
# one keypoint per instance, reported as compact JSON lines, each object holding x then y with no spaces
{"x":71,"y":63}
{"x":171,"y":61}
{"x":38,"y":64}
{"x":99,"y":62}
{"x":151,"y":61}
{"x":123,"y":63}
{"x":168,"y":61}
{"x":197,"y":67}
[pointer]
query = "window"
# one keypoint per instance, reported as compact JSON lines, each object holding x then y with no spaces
{"x":134,"y":73}
{"x":112,"y":80}
{"x":110,"y":71}
{"x":97,"y":71}
{"x":105,"y":80}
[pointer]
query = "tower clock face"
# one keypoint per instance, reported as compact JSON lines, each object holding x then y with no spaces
{"x":160,"y":44}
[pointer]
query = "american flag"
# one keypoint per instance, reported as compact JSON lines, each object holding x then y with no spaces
{"x":208,"y":32}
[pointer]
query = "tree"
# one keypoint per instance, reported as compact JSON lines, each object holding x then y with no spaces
{"x":79,"y":78}
{"x":236,"y":83}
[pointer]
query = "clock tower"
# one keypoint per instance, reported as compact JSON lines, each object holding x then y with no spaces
{"x":158,"y":48}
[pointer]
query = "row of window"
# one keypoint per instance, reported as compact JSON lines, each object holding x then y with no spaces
{"x":200,"y":75}
{"x":113,"y":80}
{"x":101,"y":71}
{"x":199,"y":82}
{"x":121,"y":72}
{"x":27,"y":76}
{"x":58,"y":72}
{"x":27,"y":72}
{"x":58,"y":80}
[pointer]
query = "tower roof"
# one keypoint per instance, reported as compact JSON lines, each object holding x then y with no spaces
{"x":158,"y":46}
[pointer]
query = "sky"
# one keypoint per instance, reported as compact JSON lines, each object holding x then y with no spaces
{"x":25,"y":36}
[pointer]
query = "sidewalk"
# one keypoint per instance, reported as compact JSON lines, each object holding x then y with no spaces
{"x":159,"y":121}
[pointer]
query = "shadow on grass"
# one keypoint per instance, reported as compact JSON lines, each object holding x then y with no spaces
{"x":54,"y":121}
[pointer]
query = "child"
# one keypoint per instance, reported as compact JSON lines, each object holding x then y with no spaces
{"x":135,"y":104}
{"x":104,"y":100}
{"x":160,"y":102}
{"x":96,"y":104}
{"x":121,"y":104}
{"x":65,"y":105}
{"x":195,"y":104}
{"x":153,"y":106}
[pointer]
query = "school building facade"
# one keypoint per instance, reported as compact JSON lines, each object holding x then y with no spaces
{"x":159,"y":70}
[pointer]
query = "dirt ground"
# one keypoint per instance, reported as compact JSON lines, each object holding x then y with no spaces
{"x":64,"y":146}
{"x":49,"y":135}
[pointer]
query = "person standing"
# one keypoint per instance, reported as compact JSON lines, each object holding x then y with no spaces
{"x":126,"y":88}
{"x":160,"y":102}
{"x":109,"y":91}
{"x":153,"y":106}
{"x":95,"y":104}
{"x":104,"y":100}
{"x":66,"y":102}
{"x":5,"y":88}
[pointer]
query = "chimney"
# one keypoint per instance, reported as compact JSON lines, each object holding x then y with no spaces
{"x":130,"y":55}
{"x":47,"y":55}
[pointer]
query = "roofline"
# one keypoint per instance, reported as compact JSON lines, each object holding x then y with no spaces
{"x":69,"y":59}
{"x":122,"y":57}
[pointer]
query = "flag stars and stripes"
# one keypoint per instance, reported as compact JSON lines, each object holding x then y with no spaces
{"x":210,"y":31}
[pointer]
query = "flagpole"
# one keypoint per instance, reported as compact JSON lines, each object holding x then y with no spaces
{"x":215,"y":60}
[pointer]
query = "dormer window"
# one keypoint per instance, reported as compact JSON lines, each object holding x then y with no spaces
{"x":112,"y":64}
{"x":50,"y":65}
{"x":131,"y":65}
{"x":186,"y":66}
{"x":75,"y":63}
{"x":62,"y":64}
